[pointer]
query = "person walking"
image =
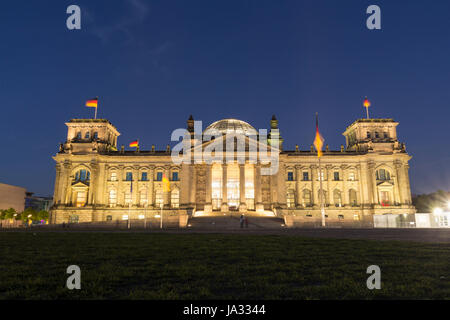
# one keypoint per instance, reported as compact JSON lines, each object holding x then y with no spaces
{"x":246,"y":222}
{"x":241,"y":220}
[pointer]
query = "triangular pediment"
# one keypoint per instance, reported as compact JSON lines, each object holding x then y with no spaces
{"x":250,"y":144}
{"x":385,"y":184}
{"x":80,"y":184}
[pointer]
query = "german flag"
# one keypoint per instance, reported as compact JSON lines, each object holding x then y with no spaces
{"x":166,"y":184}
{"x":366,"y":103}
{"x":318,"y":141}
{"x":134,"y":144}
{"x":92,"y":103}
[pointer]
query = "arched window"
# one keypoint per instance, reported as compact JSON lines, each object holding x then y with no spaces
{"x":337,"y":199}
{"x":128,"y":198}
{"x":175,"y":198}
{"x":113,"y":176}
{"x":306,"y":198}
{"x":159,"y":198}
{"x":352,"y":197}
{"x":87,"y":135}
{"x":82,"y":175}
{"x":143,"y":197}
{"x":112,"y":197}
{"x":290,"y":198}
{"x":383,"y":175}
{"x":324,"y":196}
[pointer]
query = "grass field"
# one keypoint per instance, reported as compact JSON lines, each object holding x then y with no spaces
{"x":213,"y":266}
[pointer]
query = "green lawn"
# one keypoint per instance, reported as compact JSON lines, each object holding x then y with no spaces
{"x":208,"y":266}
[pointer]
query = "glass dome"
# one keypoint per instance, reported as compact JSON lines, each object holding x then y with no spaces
{"x":227,"y":126}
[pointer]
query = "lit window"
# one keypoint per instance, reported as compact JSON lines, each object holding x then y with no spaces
{"x":320,"y":175}
{"x":290,"y":198}
{"x":159,"y":198}
{"x":127,"y":198}
{"x":337,"y":198}
{"x":143,"y":197}
{"x":351,"y":176}
{"x":108,"y":218}
{"x":125,"y":217}
{"x":113,"y":176}
{"x":81,"y":198}
{"x":306,"y":198}
{"x":175,"y":198}
{"x":112,"y":197}
{"x":290,"y":176}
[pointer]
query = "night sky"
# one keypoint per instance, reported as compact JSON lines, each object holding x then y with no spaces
{"x":153,"y":63}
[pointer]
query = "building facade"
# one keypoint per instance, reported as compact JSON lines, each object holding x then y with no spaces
{"x":97,"y":181}
{"x":12,"y":197}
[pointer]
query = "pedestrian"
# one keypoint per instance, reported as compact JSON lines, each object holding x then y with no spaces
{"x":241,"y":220}
{"x":246,"y":222}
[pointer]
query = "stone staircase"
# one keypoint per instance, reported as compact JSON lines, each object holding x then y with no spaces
{"x":231,"y":222}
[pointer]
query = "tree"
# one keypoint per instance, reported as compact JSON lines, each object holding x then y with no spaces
{"x":9,"y":213}
{"x":428,"y":202}
{"x":42,"y":215}
{"x":28,"y":214}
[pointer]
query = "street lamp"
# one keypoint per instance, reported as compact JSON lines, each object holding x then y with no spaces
{"x":438,"y":210}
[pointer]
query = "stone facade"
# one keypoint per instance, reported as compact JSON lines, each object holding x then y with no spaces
{"x":97,"y":182}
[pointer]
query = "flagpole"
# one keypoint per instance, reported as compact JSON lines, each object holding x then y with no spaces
{"x":95,"y":117}
{"x":162,"y":204}
{"x":322,"y":207}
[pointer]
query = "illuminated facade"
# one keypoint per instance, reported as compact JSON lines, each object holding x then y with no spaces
{"x":96,"y":181}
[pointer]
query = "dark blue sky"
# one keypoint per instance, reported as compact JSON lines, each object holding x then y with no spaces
{"x":152,"y":63}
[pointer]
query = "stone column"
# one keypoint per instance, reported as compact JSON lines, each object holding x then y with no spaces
{"x":298,"y":177}
{"x":373,"y":182}
{"x":329,"y":192}
{"x":120,"y":191}
{"x":224,"y":207}
{"x":243,"y":204}
{"x":398,"y":197}
{"x":407,"y":189}
{"x":135,"y":183}
{"x":313,"y":184}
{"x":259,"y":207}
{"x":150,"y":184}
{"x":344,"y":195}
{"x":67,"y":193}
{"x":193,"y":184}
{"x":208,"y":189}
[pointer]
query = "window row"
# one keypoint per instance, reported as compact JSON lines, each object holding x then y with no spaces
{"x":306,"y":176}
{"x":143,"y":199}
{"x":306,"y":200}
{"x":144,"y":176}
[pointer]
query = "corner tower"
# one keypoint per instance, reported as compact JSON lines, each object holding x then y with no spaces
{"x":90,"y":136}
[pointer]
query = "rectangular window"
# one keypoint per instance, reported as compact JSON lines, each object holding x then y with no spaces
{"x":305,"y":176}
{"x":351,"y":176}
{"x":159,"y":176}
{"x":95,"y":135}
{"x":87,"y":135}
{"x":174,"y":176}
{"x":336,"y":176}
{"x":320,"y":175}
{"x":290,"y":176}
{"x":144,"y":176}
{"x":386,"y":135}
{"x":108,"y":218}
{"x":127,"y":198}
{"x":129,"y":176}
{"x":368,"y":135}
{"x":377,"y":135}
{"x":113,"y":176}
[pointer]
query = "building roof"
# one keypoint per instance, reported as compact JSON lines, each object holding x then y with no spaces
{"x":226,"y":126}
